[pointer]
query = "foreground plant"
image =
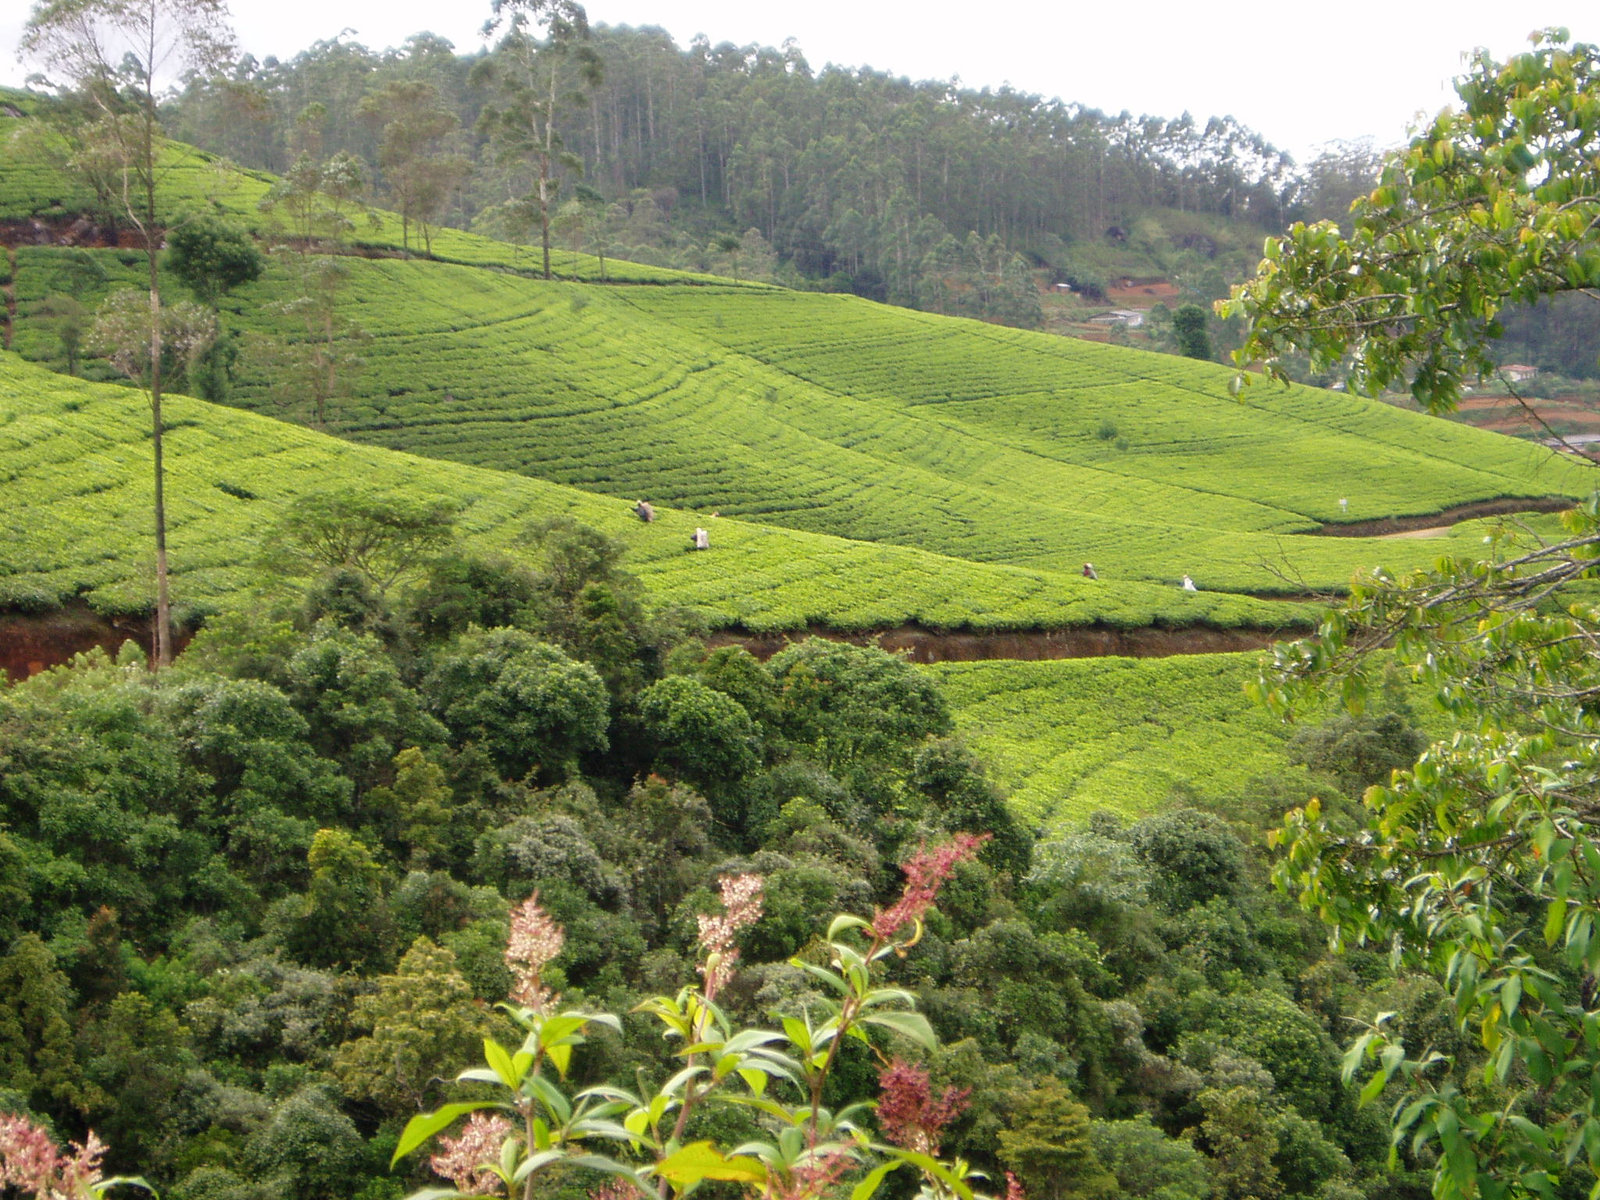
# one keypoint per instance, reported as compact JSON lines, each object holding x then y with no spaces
{"x":1478,"y":867}
{"x":638,"y":1137}
{"x":32,"y":1163}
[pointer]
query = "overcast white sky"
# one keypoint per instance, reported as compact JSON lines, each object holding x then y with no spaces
{"x":1299,"y":73}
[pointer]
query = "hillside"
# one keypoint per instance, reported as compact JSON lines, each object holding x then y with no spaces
{"x":40,"y":200}
{"x":830,"y":414}
{"x":76,"y":526}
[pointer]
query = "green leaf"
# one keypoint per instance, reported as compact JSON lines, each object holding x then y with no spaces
{"x":423,"y":1126}
{"x":499,"y":1060}
{"x":874,"y":1179}
{"x":912,"y":1025}
{"x":699,"y":1161}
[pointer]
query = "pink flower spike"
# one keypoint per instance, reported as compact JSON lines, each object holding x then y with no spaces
{"x":1014,"y":1188}
{"x":30,"y":1162}
{"x":468,"y":1161}
{"x":926,"y":872}
{"x":535,"y":940}
{"x":719,"y":936}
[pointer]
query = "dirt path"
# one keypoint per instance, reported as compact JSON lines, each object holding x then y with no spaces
{"x":1432,"y":524}
{"x":1032,"y":645}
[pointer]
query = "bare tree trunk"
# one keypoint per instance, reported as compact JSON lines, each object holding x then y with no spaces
{"x":152,"y":245}
{"x":163,"y":597}
{"x":544,"y":173}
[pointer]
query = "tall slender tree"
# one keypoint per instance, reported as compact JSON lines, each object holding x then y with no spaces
{"x":535,"y":81}
{"x":115,"y":54}
{"x":419,"y":169}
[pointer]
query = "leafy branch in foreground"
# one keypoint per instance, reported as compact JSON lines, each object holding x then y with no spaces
{"x":640,"y":1137}
{"x":1495,"y":203}
{"x":1480,"y":865}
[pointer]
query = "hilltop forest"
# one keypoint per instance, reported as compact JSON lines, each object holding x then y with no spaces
{"x":748,"y":161}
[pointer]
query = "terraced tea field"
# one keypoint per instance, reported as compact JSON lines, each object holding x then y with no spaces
{"x":829,"y":414}
{"x":75,"y":468}
{"x":1121,"y":735}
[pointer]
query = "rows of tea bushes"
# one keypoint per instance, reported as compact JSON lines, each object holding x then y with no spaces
{"x":1288,"y":455}
{"x":1069,"y":738}
{"x":75,"y":466}
{"x":712,"y":400}
{"x":653,"y":392}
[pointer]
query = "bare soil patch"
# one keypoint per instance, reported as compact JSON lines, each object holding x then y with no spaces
{"x":34,"y":642}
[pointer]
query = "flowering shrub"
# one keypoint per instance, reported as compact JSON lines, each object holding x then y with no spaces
{"x":31,"y":1162}
{"x":638,"y":1137}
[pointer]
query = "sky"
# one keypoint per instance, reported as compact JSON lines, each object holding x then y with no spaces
{"x":1300,"y":74}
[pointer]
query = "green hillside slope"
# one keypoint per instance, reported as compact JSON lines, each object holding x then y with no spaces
{"x":74,"y":464}
{"x":833,"y":415}
{"x":1120,"y":734}
{"x":33,"y":184}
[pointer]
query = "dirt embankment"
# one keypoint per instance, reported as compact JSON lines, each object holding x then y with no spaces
{"x":932,"y":646}
{"x":1386,"y":526}
{"x":34,"y":642}
{"x":71,"y":230}
{"x":9,"y":292}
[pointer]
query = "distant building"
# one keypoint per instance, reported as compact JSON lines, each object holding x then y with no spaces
{"x":1518,"y":372}
{"x":1128,"y":318}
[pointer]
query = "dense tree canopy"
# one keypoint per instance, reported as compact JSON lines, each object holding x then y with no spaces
{"x":257,"y":906}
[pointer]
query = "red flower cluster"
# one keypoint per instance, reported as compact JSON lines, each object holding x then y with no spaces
{"x":926,"y":872}
{"x":909,"y":1114}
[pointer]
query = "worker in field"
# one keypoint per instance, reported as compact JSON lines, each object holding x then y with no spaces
{"x":1089,"y":571}
{"x":1188,"y":585}
{"x":702,"y":539}
{"x":644,"y":512}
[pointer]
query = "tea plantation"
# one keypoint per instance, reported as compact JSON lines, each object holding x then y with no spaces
{"x":1117,"y":734}
{"x":829,"y":414}
{"x":74,"y":463}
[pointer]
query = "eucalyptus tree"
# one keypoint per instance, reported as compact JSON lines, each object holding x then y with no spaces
{"x":116,"y":54}
{"x":419,"y":171}
{"x":534,"y":82}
